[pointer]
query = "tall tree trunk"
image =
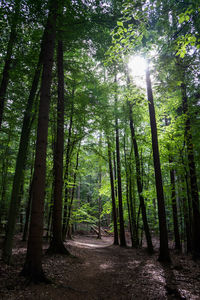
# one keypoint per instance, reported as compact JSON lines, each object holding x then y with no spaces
{"x":28,"y":205}
{"x":130,"y":198}
{"x":186,"y":222}
{"x":139,"y":182}
{"x":56,"y":244}
{"x":127,"y":196}
{"x":193,"y":177}
{"x":33,"y":263}
{"x":28,"y":210}
{"x":187,"y":206}
{"x":8,"y":59}
{"x":66,"y":177}
{"x":121,"y":216}
{"x":173,"y":199}
{"x":20,"y":163}
{"x":174,"y":209}
{"x":99,"y":196}
{"x":112,"y":186}
{"x":72,"y":194}
{"x":134,"y":228}
{"x":4,"y":181}
{"x":164,"y":250}
{"x":115,"y":180}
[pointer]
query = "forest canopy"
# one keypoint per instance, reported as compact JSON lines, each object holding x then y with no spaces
{"x":99,"y":118}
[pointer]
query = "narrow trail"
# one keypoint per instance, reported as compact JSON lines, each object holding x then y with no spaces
{"x":101,"y":271}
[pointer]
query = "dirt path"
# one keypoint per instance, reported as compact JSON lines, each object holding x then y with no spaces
{"x":102,"y":271}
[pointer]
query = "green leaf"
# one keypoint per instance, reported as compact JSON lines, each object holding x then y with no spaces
{"x":119,"y":23}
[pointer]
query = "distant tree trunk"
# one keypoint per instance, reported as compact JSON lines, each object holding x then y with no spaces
{"x":20,"y":163}
{"x":4,"y":181}
{"x":187,"y":206}
{"x":28,"y":210}
{"x":99,"y":211}
{"x":56,"y":244}
{"x":99,"y":196}
{"x":130,"y":198}
{"x":134,"y":228}
{"x":8,"y":59}
{"x":20,"y":196}
{"x":28,"y":205}
{"x":164,"y":250}
{"x":187,"y":226}
{"x":193,"y":177}
{"x":112,"y":186}
{"x":139,"y":182}
{"x":121,"y":217}
{"x":66,"y":176}
{"x":129,"y":208}
{"x":188,"y":218}
{"x":115,"y":180}
{"x":174,"y":210}
{"x":72,"y":195}
{"x":173,"y":199}
{"x":127,"y":189}
{"x":33,"y":263}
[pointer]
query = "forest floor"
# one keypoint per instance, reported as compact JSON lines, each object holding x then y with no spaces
{"x":101,"y":271}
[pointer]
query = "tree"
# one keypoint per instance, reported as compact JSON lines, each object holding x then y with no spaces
{"x":56,"y":245}
{"x":20,"y":163}
{"x":193,"y":177}
{"x":164,"y":251}
{"x":139,"y":183}
{"x":33,"y":263}
{"x":114,"y":214}
{"x":119,"y":184}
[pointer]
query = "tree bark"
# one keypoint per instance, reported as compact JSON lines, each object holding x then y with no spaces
{"x":33,"y":263}
{"x":56,"y":244}
{"x":139,"y":182}
{"x":112,"y":186}
{"x":134,"y":228}
{"x":72,"y":195}
{"x":28,"y":210}
{"x":99,"y":196}
{"x":4,"y":182}
{"x":174,"y":210}
{"x":121,"y":216}
{"x":66,"y":177}
{"x":20,"y":163}
{"x":164,"y":251}
{"x":193,"y":177}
